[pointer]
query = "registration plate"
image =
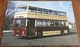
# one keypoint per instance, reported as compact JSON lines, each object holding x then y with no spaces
{"x":17,"y":35}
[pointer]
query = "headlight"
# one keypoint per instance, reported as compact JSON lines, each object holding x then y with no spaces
{"x":23,"y":33}
{"x":12,"y":32}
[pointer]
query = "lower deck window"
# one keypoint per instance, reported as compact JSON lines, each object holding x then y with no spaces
{"x":50,"y":23}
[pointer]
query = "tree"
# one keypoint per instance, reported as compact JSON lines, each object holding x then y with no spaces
{"x":9,"y":14}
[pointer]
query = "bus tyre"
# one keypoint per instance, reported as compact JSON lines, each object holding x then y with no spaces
{"x":39,"y":34}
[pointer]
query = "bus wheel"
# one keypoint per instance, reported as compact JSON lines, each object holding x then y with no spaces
{"x":39,"y":34}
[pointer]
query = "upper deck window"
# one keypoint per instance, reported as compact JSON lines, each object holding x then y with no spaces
{"x":61,"y":13}
{"x":21,"y":9}
{"x":55,"y":12}
{"x":45,"y":11}
{"x":51,"y":12}
{"x":40,"y":10}
{"x":32,"y":9}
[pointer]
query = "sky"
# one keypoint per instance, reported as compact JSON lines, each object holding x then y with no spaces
{"x":65,"y":6}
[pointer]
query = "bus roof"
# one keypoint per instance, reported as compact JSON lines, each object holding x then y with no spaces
{"x":25,"y":5}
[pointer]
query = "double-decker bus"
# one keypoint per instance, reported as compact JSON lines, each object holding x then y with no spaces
{"x":30,"y":21}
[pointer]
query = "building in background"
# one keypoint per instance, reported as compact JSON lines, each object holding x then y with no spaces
{"x":72,"y":25}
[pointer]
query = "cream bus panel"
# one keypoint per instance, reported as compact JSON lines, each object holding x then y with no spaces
{"x":31,"y":15}
{"x":67,"y":23}
{"x":45,"y":16}
{"x":46,"y":33}
{"x":20,"y":15}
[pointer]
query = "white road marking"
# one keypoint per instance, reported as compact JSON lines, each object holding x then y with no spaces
{"x":7,"y":31}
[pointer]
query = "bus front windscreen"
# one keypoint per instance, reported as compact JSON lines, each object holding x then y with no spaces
{"x":19,"y":22}
{"x":21,"y":9}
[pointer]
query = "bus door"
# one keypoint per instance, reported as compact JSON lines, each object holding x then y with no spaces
{"x":31,"y":27}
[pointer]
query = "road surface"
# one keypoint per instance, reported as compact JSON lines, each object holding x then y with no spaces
{"x":70,"y":39}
